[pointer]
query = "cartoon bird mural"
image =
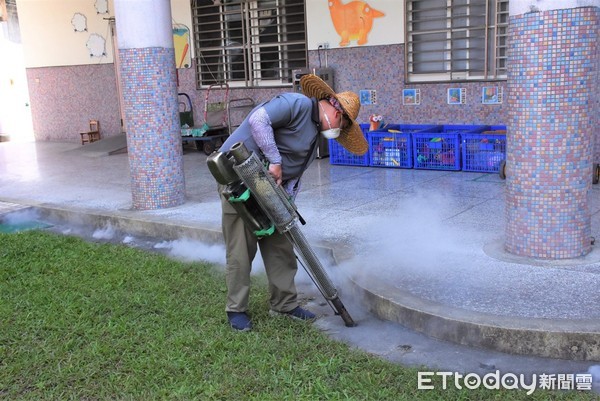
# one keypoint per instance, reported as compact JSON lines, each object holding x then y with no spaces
{"x":352,"y":21}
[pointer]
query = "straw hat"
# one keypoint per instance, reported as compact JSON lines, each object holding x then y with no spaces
{"x":351,"y":137}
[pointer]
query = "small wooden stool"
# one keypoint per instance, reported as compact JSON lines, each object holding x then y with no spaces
{"x":93,"y":134}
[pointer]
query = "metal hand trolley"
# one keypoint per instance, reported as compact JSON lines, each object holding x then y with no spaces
{"x":237,"y":110}
{"x":214,"y":130}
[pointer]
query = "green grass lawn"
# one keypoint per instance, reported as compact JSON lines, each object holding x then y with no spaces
{"x":81,"y":321}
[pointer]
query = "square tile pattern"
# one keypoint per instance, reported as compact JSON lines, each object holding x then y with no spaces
{"x":552,"y":77}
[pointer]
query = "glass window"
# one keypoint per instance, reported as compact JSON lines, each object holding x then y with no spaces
{"x":449,"y":40}
{"x":248,"y":43}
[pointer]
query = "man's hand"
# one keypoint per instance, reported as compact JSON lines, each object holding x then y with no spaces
{"x":275,"y":171}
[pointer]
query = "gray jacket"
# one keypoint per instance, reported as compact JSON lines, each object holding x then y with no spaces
{"x":295,"y":121}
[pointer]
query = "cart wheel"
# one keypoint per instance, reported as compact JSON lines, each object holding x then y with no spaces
{"x":208,"y":147}
{"x":596,"y":177}
{"x":503,"y":169}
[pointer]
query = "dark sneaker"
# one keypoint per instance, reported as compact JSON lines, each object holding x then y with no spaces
{"x":296,"y":313}
{"x":239,"y":321}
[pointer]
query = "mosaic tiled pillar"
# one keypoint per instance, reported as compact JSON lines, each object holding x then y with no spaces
{"x":552,"y":82}
{"x":596,"y":97}
{"x":149,"y":87}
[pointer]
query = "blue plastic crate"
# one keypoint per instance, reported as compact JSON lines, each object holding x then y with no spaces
{"x":483,"y":152}
{"x":339,"y":155}
{"x":365,"y":128}
{"x":409,"y":128}
{"x":391,"y":146}
{"x":390,"y":149}
{"x":436,"y":150}
{"x":464,"y":128}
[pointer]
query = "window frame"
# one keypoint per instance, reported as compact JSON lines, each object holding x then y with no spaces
{"x":492,"y":57}
{"x":267,"y":39}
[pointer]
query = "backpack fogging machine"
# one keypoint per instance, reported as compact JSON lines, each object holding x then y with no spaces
{"x":265,"y":207}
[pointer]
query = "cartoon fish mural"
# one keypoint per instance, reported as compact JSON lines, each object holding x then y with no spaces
{"x":352,"y":21}
{"x":375,"y":121}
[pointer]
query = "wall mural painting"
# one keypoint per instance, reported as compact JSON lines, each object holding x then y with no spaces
{"x":181,"y":41}
{"x":353,"y":21}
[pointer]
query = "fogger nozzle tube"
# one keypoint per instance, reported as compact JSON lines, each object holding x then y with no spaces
{"x":239,"y":152}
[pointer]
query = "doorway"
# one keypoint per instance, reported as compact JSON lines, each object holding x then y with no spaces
{"x":16,"y":123}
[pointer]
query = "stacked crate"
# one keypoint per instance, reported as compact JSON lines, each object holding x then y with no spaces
{"x":440,"y":149}
{"x":391,"y":146}
{"x":485,"y":151}
{"x":478,"y":148}
{"x":339,"y":155}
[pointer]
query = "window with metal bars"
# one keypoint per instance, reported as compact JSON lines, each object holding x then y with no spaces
{"x":248,"y":43}
{"x":453,"y":40}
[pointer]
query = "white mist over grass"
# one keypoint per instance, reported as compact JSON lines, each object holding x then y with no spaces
{"x":21,"y":216}
{"x":191,"y":250}
{"x":128,"y":239}
{"x":104,"y":233}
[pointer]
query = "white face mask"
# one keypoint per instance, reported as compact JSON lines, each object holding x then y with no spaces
{"x":331,"y":133}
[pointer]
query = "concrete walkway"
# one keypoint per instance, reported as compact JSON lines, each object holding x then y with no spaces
{"x":422,"y":248}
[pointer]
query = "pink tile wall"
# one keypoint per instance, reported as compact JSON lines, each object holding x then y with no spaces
{"x":64,"y":99}
{"x":382,"y":68}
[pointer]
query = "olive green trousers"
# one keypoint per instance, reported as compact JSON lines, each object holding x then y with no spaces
{"x":278,"y":257}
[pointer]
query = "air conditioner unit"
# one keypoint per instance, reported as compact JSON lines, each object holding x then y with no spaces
{"x":326,"y":74}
